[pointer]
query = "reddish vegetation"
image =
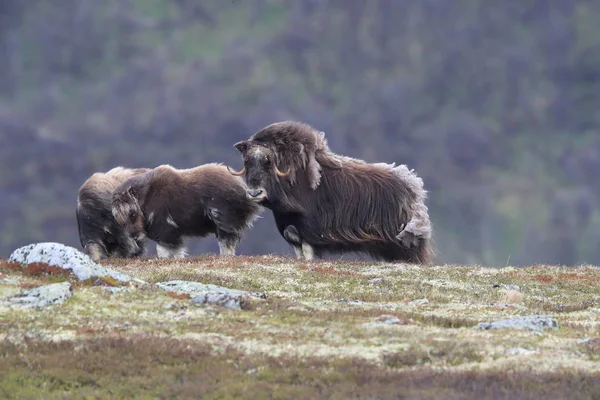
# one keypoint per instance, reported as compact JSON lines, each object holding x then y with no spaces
{"x":579,"y":278}
{"x":179,"y":296}
{"x":36,"y":269}
{"x":12,"y":266}
{"x":544,"y":278}
{"x":43,"y":270}
{"x":89,"y":331}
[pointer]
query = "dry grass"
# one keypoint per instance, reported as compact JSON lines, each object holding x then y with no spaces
{"x":327,"y":330}
{"x":150,"y":367}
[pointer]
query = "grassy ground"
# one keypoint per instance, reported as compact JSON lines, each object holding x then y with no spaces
{"x":316,"y":336}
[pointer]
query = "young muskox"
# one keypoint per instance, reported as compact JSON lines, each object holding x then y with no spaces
{"x":100,"y":235}
{"x":324,"y":202}
{"x":167,"y":204}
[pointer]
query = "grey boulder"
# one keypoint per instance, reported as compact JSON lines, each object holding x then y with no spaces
{"x":202,"y":293}
{"x":534,"y":323}
{"x":43,"y":296}
{"x":68,"y":258}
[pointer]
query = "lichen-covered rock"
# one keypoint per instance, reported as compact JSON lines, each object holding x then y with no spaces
{"x":227,"y":300}
{"x":419,"y":302}
{"x":68,"y":258}
{"x":387,"y":320}
{"x":519,"y":351}
{"x":531,"y":323}
{"x":212,"y":294}
{"x":353,"y":302}
{"x":43,"y":296}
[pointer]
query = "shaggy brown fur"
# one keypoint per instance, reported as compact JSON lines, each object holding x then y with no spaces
{"x":168,"y":204}
{"x":100,"y":235}
{"x":324,"y":202}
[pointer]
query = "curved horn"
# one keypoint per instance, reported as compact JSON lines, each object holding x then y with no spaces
{"x":232,"y":172}
{"x":281,"y":174}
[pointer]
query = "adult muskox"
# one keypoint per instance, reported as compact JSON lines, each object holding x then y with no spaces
{"x":100,"y":235}
{"x":324,"y":202}
{"x":167,"y":204}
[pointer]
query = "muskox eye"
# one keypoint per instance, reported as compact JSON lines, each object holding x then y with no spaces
{"x":132,"y":215}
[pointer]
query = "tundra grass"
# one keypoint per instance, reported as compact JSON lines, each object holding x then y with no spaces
{"x":328,"y":329}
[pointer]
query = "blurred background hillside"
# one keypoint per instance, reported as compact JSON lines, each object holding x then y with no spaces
{"x":496,"y":104}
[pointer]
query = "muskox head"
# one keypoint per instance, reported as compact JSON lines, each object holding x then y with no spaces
{"x":281,"y":154}
{"x":260,"y":168}
{"x":127,"y":211}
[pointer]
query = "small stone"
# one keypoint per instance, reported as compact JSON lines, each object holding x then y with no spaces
{"x":47,"y":295}
{"x":376,"y":280}
{"x":511,"y":296}
{"x":355,"y":302}
{"x":519,"y":351}
{"x":387,"y":320}
{"x":512,"y":287}
{"x":586,"y":340}
{"x":533,"y":323}
{"x":419,"y":302}
{"x":114,"y":290}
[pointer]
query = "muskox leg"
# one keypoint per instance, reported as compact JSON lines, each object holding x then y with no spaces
{"x":227,"y":243}
{"x":226,"y":248}
{"x":307,"y":251}
{"x":298,"y":251}
{"x":291,"y":235}
{"x":95,"y":251}
{"x":301,"y":248}
{"x":170,"y":251}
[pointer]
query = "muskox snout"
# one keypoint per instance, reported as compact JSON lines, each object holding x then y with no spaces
{"x":256,"y":194}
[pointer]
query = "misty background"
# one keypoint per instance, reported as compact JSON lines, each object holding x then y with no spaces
{"x":495,"y":104}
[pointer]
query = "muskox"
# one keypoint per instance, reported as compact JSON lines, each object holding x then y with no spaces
{"x":167,"y":204}
{"x":100,"y":235}
{"x":327,"y":203}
